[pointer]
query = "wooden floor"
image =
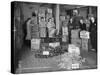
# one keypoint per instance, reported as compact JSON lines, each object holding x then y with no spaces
{"x":28,"y":63}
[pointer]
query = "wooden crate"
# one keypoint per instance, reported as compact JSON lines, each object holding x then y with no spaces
{"x":85,"y":44}
{"x":35,"y":44}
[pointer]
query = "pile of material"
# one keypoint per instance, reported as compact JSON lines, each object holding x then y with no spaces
{"x":49,"y":51}
{"x":70,"y":61}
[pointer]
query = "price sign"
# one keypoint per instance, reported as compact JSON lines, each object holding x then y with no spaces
{"x":84,"y":34}
{"x":45,"y":52}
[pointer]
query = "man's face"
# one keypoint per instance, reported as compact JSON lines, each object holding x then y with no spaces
{"x":71,"y":20}
{"x":92,"y":19}
{"x":75,"y":12}
{"x":81,"y":21}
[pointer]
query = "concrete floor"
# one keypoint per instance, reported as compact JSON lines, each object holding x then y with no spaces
{"x":28,"y":63}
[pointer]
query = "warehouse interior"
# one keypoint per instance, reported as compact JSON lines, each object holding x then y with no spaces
{"x":57,"y":39}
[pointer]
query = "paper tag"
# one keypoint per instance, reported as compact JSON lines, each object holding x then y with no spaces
{"x":75,"y":66}
{"x":35,"y":43}
{"x":84,"y":34}
{"x":65,"y":30}
{"x":45,"y":52}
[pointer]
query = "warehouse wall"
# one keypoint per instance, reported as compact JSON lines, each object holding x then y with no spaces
{"x":83,"y":11}
{"x":94,"y":11}
{"x":18,"y":27}
{"x":28,"y":9}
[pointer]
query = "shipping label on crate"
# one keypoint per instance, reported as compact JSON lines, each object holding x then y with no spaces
{"x":84,"y":34}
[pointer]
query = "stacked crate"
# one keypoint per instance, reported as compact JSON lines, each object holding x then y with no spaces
{"x":35,"y":41}
{"x":75,"y":37}
{"x":35,"y":44}
{"x":34,"y":28}
{"x":84,"y":35}
{"x":34,"y":31}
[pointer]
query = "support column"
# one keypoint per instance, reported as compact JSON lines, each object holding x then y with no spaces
{"x":57,"y":18}
{"x":90,"y":10}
